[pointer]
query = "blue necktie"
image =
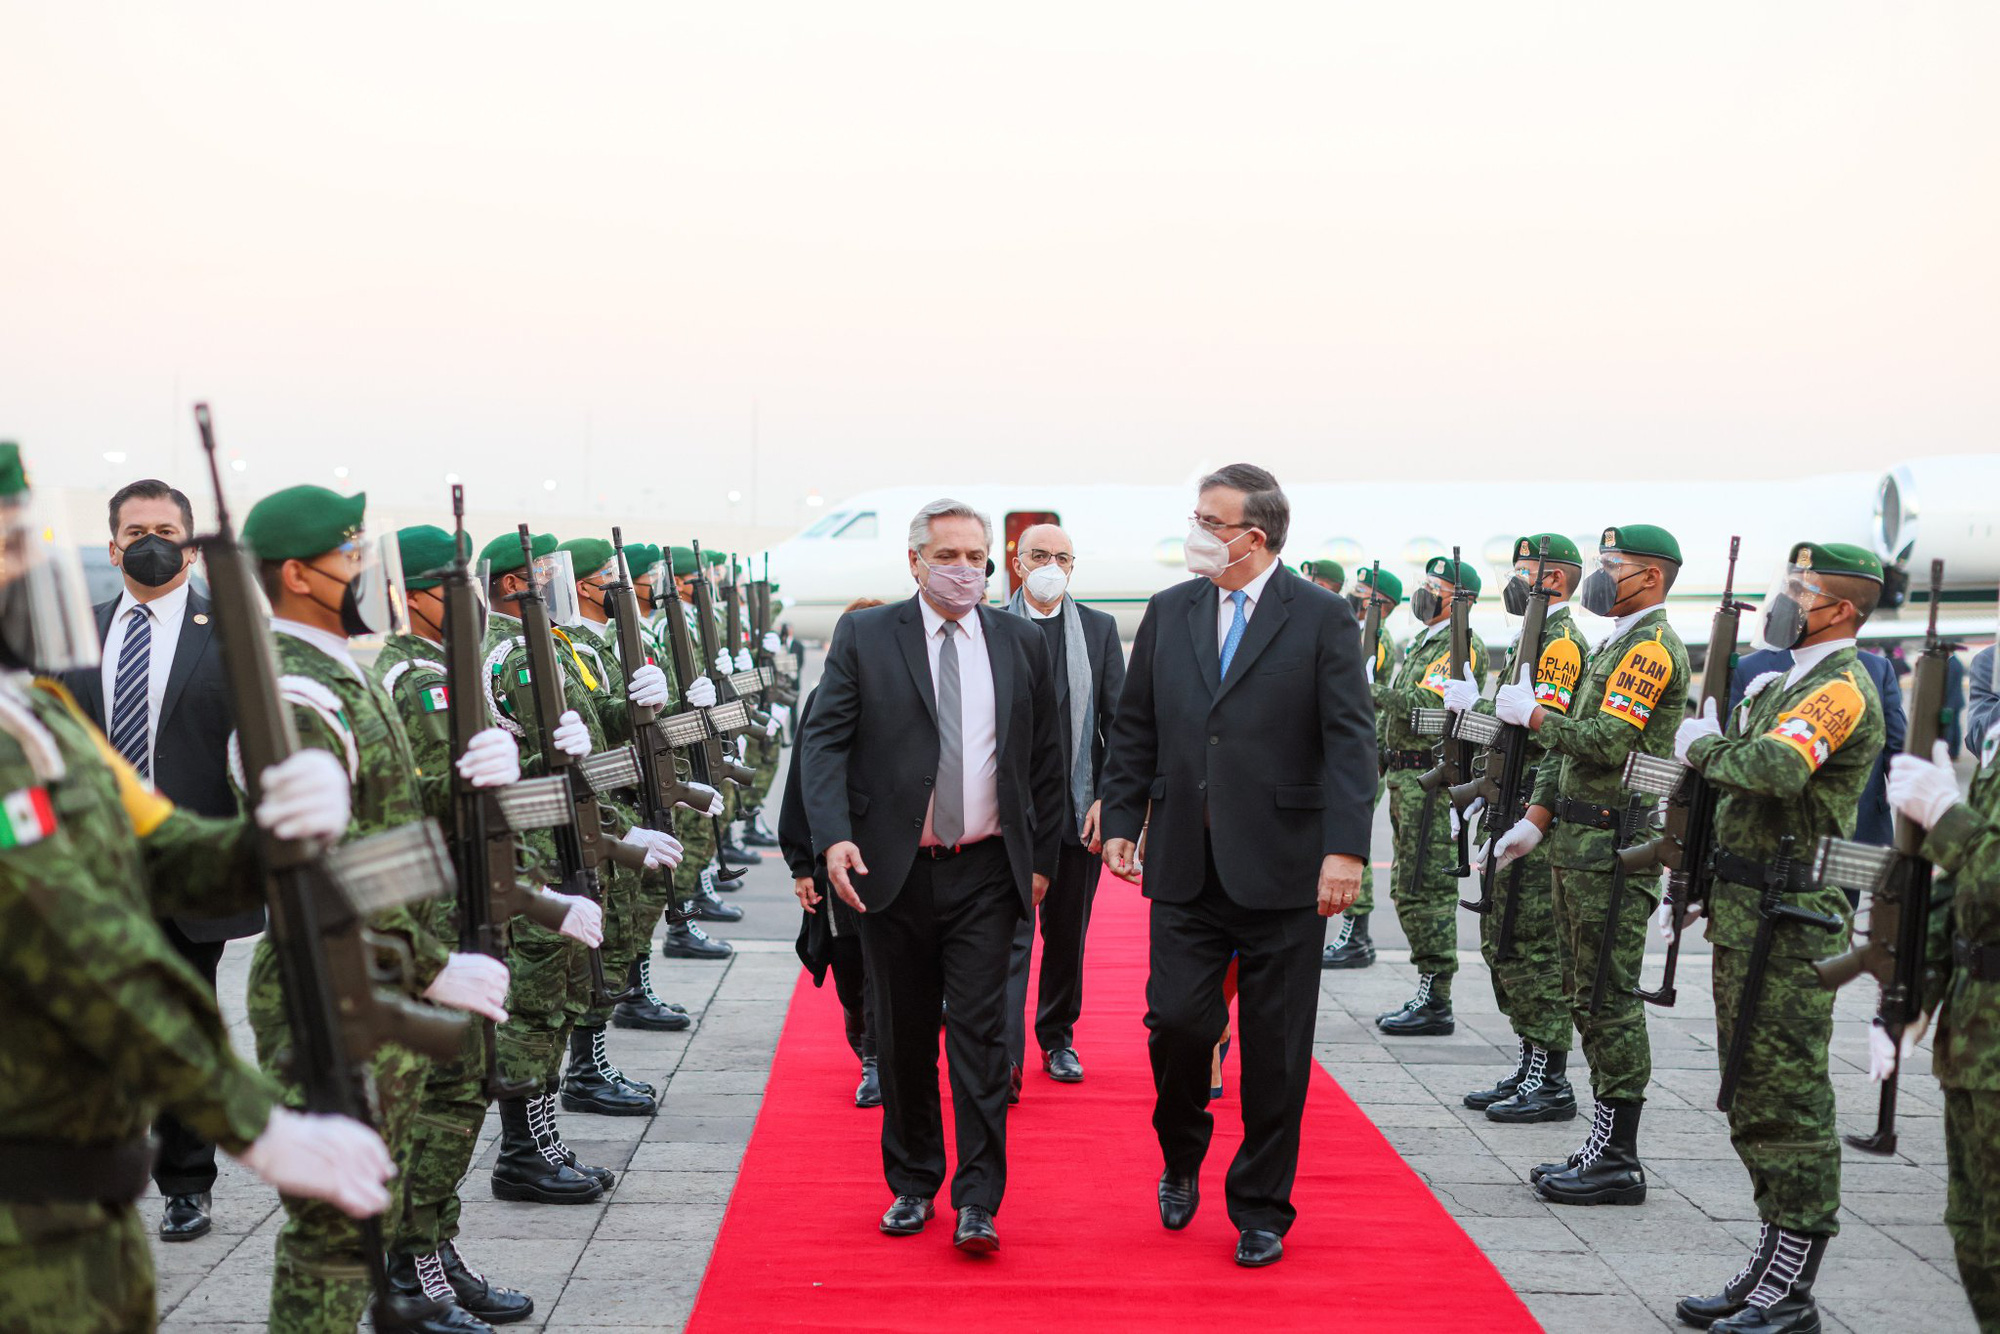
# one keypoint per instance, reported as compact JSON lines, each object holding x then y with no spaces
{"x":1235,"y":635}
{"x":131,"y":730}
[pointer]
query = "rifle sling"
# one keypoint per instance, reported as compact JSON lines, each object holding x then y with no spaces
{"x":1755,"y":874}
{"x":48,"y":1171}
{"x":1979,"y":962}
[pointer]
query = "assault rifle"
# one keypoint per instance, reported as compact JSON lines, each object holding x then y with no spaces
{"x":1638,"y":810}
{"x":1771,"y":909}
{"x":1687,"y":845}
{"x":342,"y":996}
{"x":779,"y":673}
{"x":711,"y":760}
{"x":1898,"y":881}
{"x":1454,"y":755}
{"x":1371,"y":627}
{"x":748,"y":685}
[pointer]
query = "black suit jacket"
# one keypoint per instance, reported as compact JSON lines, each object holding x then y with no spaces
{"x":1107,"y":679}
{"x":870,"y":747}
{"x":1274,"y":765}
{"x":190,"y":737}
{"x":1873,"y":822}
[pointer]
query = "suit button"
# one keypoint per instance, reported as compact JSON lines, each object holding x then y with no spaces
{"x":916,"y":824}
{"x":927,"y":780}
{"x":1215,"y":741}
{"x":1201,"y":786}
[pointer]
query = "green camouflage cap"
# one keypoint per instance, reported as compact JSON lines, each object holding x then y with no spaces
{"x":426,"y":552}
{"x":13,"y":473}
{"x":301,"y":522}
{"x":503,"y":553}
{"x":1385,"y":583}
{"x":1328,"y":570}
{"x":1561,"y":549}
{"x":683,"y":558}
{"x":1837,"y":558}
{"x":1453,"y":572}
{"x":587,"y":555}
{"x":1641,"y":539}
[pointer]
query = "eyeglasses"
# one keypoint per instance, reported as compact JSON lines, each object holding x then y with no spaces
{"x":1036,"y":556}
{"x":1216,"y":525}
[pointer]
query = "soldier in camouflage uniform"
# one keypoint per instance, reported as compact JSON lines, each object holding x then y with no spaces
{"x":1350,"y":946}
{"x":1633,"y":694}
{"x":1528,"y":985}
{"x":1422,"y":881}
{"x":314,"y":565}
{"x":105,"y":1023}
{"x":699,"y":869}
{"x":1790,"y":763}
{"x":1326,"y":573}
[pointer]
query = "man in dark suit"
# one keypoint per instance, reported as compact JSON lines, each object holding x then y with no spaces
{"x":934,"y":791}
{"x":1088,"y":668}
{"x":162,"y":697}
{"x":1872,"y":824}
{"x":1246,"y":725}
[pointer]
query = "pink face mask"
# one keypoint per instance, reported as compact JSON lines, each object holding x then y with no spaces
{"x":956,"y":588}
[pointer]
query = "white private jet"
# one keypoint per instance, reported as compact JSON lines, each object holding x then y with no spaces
{"x":1128,"y":538}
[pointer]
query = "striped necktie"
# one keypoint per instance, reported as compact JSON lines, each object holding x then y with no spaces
{"x":131,"y":727}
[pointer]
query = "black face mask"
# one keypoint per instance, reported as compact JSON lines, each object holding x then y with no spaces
{"x":353,"y":623}
{"x":152,"y":561}
{"x":1786,"y":623}
{"x":1426,"y":605}
{"x":1599,"y":593}
{"x":1514,"y":597}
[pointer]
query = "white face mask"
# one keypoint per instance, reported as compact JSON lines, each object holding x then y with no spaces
{"x":1206,"y":554}
{"x":1045,"y":583}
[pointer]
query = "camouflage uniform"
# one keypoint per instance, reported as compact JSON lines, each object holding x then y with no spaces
{"x":319,"y":1280}
{"x":1388,"y":659}
{"x":105,"y":1024}
{"x":1633,"y":694}
{"x":1792,"y":761}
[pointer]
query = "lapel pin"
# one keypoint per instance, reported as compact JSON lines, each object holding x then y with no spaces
{"x":201,"y":618}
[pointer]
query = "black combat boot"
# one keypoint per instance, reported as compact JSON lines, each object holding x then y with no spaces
{"x":731,"y":848}
{"x":472,"y":1290}
{"x":648,"y":1011}
{"x":542,"y":1114}
{"x":1701,"y":1312}
{"x":1544,"y":1095}
{"x":528,"y":1168}
{"x":1480,"y":1099}
{"x":757,"y":834}
{"x":1608,"y":1170}
{"x":587,"y":1086}
{"x":1423,"y":1015}
{"x":1600,"y":1125}
{"x":686,"y":940}
{"x":1782,"y":1302}
{"x":421,"y":1307}
{"x":869,"y":1094}
{"x":708,"y":905}
{"x":1351,"y":947}
{"x":612,"y":1072}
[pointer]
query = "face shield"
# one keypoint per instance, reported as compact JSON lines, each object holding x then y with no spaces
{"x":1794,"y":607}
{"x":1604,"y":587}
{"x":46,"y":622}
{"x":591,"y":589}
{"x":393,"y":605}
{"x":651,"y":581}
{"x":555,"y":578}
{"x":1432,"y":600}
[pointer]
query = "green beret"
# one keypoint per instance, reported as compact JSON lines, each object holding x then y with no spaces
{"x":640,"y":558}
{"x":715,"y":557}
{"x":1453,"y":572}
{"x":588,"y":555}
{"x":13,"y":473}
{"x":683,"y":558}
{"x":1641,"y":539}
{"x":301,"y":522}
{"x":1384,"y":583}
{"x":1561,"y":549}
{"x":1837,"y":558}
{"x":1328,"y":570}
{"x":426,"y":553}
{"x":503,"y":553}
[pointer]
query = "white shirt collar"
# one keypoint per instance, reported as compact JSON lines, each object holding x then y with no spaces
{"x":1253,"y":590}
{"x":969,"y":622}
{"x":1623,"y":625}
{"x":166,"y":608}
{"x":1035,"y":614}
{"x":1805,"y":659}
{"x":334,"y":646}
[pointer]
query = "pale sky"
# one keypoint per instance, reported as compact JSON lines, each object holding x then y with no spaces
{"x":956,"y":243}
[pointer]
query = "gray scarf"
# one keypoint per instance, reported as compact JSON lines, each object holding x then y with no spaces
{"x":1082,"y":704}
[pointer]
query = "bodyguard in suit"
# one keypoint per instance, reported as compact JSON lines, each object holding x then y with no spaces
{"x":934,"y":791}
{"x":1872,"y":823}
{"x":1246,"y":725}
{"x":162,"y":697}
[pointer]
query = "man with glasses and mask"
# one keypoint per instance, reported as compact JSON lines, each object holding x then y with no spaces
{"x":1632,"y":696}
{"x":1350,"y":946}
{"x":1423,"y":881}
{"x":1088,"y":667}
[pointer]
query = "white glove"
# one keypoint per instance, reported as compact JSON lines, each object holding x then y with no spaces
{"x":771,"y":727}
{"x":783,"y":713}
{"x":724,"y":664}
{"x":1459,"y":695}
{"x":491,"y":759}
{"x":743,"y":663}
{"x":662,"y":849}
{"x":572,"y":738}
{"x":1515,"y":704}
{"x":742,"y":748}
{"x":1663,"y":917}
{"x":1517,"y":843}
{"x":647,"y":687}
{"x":305,"y":796}
{"x":1923,"y":789}
{"x":1451,"y":814}
{"x":772,"y":644}
{"x":1884,"y":1055}
{"x":330,"y":1158}
{"x":474,"y":982}
{"x":1694,"y":729}
{"x":700,"y":693}
{"x":714,"y":806}
{"x":583,"y":922}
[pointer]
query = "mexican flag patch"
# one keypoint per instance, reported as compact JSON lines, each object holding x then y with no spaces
{"x":29,"y":817}
{"x":435,"y":699}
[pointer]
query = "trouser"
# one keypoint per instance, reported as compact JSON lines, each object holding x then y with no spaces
{"x":1614,"y":1039}
{"x":1277,"y":959}
{"x":1065,"y":917}
{"x":548,"y":989}
{"x":628,"y":934}
{"x":1364,"y":902}
{"x":1427,"y":910}
{"x":850,"y":983}
{"x":1972,"y":1201}
{"x":1529,"y":986}
{"x":95,"y":1278}
{"x":452,"y":1109}
{"x":696,"y":831}
{"x":185,"y":1162}
{"x":944,"y":940}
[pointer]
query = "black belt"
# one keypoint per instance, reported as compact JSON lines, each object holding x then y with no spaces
{"x":1743,"y":871}
{"x":1979,"y":962}
{"x":1407,"y":759}
{"x":938,"y":852}
{"x":1584,"y":813}
{"x":48,"y":1171}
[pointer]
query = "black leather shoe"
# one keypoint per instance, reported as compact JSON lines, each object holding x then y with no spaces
{"x":1422,"y":1016}
{"x":1782,"y":1302}
{"x":1013,"y":1084}
{"x":907,"y":1216}
{"x":186,"y":1217}
{"x":1480,"y":1099}
{"x":1062,"y":1066}
{"x":1180,"y":1196}
{"x":1257,"y":1248}
{"x":689,"y":941}
{"x":588,"y":1085}
{"x":648,"y":1012}
{"x":1351,"y":948}
{"x":974,"y":1234}
{"x":419,"y":1314}
{"x":869,"y":1094}
{"x":1608,"y":1170}
{"x":1701,"y":1312}
{"x":709,"y":907}
{"x":489,"y":1301}
{"x":1545,"y":1093}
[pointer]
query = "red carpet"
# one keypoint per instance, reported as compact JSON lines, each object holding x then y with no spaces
{"x":1081,"y":1246}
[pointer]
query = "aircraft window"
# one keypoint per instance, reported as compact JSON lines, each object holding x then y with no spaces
{"x":826,"y":525}
{"x":861,"y":527}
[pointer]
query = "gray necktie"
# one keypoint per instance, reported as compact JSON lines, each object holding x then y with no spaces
{"x":948,"y":808}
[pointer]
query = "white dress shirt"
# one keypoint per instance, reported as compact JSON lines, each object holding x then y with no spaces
{"x":1226,"y":612}
{"x":1805,"y":659}
{"x":166,"y":613}
{"x":979,"y":726}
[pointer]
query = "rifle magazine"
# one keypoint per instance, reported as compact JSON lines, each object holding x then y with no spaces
{"x":408,"y":864}
{"x":1654,"y":775}
{"x":1841,"y":863}
{"x":1427,"y":722}
{"x":610,"y":771}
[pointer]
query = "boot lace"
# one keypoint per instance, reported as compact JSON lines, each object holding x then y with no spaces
{"x":452,"y":1246}
{"x":543,"y":1127}
{"x":1749,"y":1268}
{"x":430,"y":1273}
{"x":600,"y":1059}
{"x":1346,"y":933}
{"x":1787,"y":1262}
{"x":646,"y":983}
{"x":1600,"y":1137}
{"x":1536,"y":1061}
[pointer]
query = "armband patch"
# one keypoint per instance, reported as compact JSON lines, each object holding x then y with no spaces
{"x":1557,"y":673}
{"x":26,"y":816}
{"x":1638,"y":681}
{"x":1820,"y":724}
{"x":1436,"y":675}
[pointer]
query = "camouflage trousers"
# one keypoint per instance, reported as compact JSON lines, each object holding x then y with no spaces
{"x":549,"y":988}
{"x":447,"y":1127}
{"x":1972,"y":1202}
{"x":1365,"y":901}
{"x":1529,"y":986}
{"x":697,"y":835}
{"x":92,"y":1278}
{"x":1427,"y":910}
{"x":319,"y":1277}
{"x":1781,"y":1122}
{"x":623,"y":911}
{"x":1614,"y":1039}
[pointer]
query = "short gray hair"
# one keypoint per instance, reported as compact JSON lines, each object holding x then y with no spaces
{"x":1264,"y":503}
{"x":946,"y":508}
